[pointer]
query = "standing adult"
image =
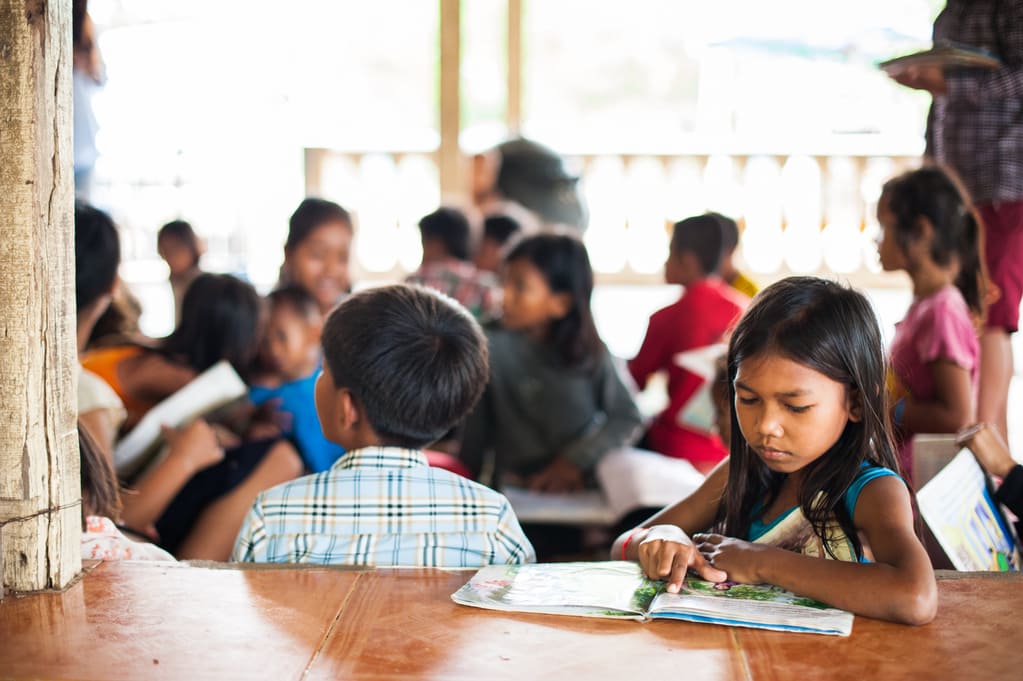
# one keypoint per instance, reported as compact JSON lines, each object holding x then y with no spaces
{"x":87,"y":77}
{"x":975,"y":128}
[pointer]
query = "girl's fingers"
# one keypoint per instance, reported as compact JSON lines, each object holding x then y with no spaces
{"x":678,"y":571}
{"x":705,"y":568}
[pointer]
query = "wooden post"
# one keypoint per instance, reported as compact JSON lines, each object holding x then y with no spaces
{"x":40,"y":493}
{"x":513,"y":116}
{"x":450,"y":155}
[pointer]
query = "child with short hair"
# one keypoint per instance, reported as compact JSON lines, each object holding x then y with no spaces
{"x":292,"y":355}
{"x":317,"y":251}
{"x":702,"y":316}
{"x":180,"y":247}
{"x":498,"y":231}
{"x":808,"y":499}
{"x":402,"y":366}
{"x":729,"y":242}
{"x":929,"y":230}
{"x":446,"y":266}
{"x":555,"y":404}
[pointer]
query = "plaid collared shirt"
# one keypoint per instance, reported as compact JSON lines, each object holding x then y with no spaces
{"x":382,"y":506}
{"x":977,"y":126}
{"x":479,"y":292}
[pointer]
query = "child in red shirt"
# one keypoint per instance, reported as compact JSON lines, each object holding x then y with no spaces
{"x":703,"y":316}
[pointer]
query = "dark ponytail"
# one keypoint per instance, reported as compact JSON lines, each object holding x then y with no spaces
{"x":933,"y":193}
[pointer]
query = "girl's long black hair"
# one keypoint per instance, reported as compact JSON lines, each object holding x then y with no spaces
{"x":221,"y":318}
{"x":831,"y":329}
{"x":932,"y":192}
{"x":565,"y":266}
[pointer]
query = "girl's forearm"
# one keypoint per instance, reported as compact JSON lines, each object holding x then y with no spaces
{"x":899,"y":594}
{"x":934,"y":417}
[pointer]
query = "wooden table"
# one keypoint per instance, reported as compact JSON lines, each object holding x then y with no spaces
{"x":167,"y":621}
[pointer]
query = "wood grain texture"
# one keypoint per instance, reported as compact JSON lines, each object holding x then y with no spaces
{"x":38,"y":440}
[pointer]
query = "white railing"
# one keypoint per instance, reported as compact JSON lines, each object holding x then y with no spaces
{"x":800,"y":213}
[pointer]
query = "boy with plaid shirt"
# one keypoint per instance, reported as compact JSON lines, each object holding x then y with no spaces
{"x":402,"y":365}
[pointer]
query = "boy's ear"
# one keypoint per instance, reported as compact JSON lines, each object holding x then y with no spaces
{"x":349,"y":412}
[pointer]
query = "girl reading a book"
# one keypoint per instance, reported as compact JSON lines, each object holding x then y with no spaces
{"x":808,"y":499}
{"x":194,"y":499}
{"x":931,"y":232}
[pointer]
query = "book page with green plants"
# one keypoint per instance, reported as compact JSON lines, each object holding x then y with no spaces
{"x":752,"y":605}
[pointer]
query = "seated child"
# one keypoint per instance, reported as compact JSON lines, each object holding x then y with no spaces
{"x":193,"y":499}
{"x":292,"y":351}
{"x":101,"y":504}
{"x":402,"y":365}
{"x":317,"y":251}
{"x":446,"y":266}
{"x":498,"y":230}
{"x":703,"y":316}
{"x":555,"y":404}
{"x":730,"y":241}
{"x":181,"y":249}
{"x":808,"y":499}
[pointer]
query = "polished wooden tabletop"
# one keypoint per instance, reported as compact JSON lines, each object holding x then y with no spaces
{"x":172,"y":621}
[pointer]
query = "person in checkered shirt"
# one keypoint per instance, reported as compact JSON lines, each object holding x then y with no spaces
{"x":447,"y":266}
{"x":401,"y":366}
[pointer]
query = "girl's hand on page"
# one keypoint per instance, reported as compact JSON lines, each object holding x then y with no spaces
{"x":561,"y":475}
{"x":740,"y":559}
{"x":667,"y":553}
{"x":195,"y":445}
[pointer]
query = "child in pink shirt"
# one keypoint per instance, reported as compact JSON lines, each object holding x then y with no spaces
{"x":931,"y":232}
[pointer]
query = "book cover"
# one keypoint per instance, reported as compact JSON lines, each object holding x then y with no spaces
{"x":618,"y":590}
{"x":216,"y":387}
{"x":969,"y":525}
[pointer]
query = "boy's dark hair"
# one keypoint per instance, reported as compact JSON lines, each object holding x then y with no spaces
{"x":451,"y":228}
{"x":100,"y":492}
{"x":309,"y":215}
{"x":220,"y":319}
{"x":97,"y":254}
{"x":932,"y":193}
{"x":297,"y":298}
{"x":702,"y":236}
{"x":414,"y":360}
{"x":565,"y":266}
{"x":500,"y":228}
{"x":183,"y":232}
{"x":729,"y":231}
{"x":831,"y":329}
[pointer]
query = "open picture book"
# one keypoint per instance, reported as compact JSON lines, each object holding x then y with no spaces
{"x":619,"y":590}
{"x":211,"y":390}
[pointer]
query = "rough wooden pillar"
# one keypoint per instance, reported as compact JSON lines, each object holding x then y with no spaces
{"x":40,"y":495}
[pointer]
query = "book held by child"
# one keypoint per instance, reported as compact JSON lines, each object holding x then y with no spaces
{"x":619,"y":590}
